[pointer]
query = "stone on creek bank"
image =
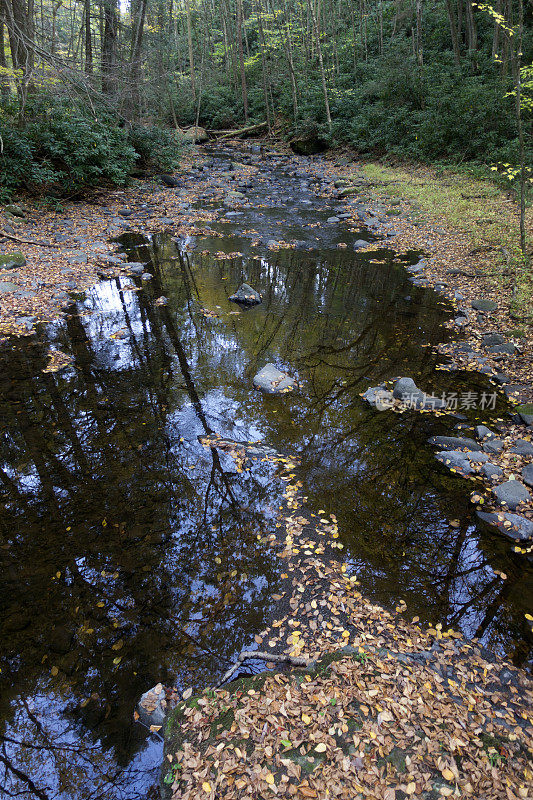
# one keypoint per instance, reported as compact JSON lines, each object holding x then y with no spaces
{"x":525,"y":412}
{"x":454,"y":443}
{"x":522,"y":448}
{"x":406,"y":390}
{"x":271,"y":380}
{"x":12,"y":260}
{"x":514,"y":526}
{"x":511,"y":494}
{"x":484,"y":305}
{"x":246,"y":296}
{"x":482,"y":432}
{"x":170,"y":181}
{"x":527,"y":474}
{"x":461,"y":462}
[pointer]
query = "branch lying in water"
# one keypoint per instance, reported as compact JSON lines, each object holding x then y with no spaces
{"x":246,"y":655}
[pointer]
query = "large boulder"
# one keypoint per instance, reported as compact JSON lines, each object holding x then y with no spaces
{"x":273,"y":381}
{"x":246,"y":296}
{"x":194,"y":135}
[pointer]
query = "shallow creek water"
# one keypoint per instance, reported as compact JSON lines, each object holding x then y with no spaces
{"x":131,"y":554}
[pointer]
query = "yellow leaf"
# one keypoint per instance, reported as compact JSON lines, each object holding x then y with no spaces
{"x":54,"y":671}
{"x":270,"y":778}
{"x":206,"y":786}
{"x":447,"y":774}
{"x":306,"y":719}
{"x":320,"y":748}
{"x":410,"y":788}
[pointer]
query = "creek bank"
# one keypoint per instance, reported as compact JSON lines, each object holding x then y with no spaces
{"x":385,"y":708}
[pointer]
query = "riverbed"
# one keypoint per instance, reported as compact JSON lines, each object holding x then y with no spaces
{"x":132,"y":554}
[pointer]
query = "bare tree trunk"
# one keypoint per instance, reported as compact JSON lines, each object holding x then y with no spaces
{"x":88,"y":38}
{"x":109,"y":49}
{"x":244,"y":88}
{"x":190,"y":49}
{"x":321,"y":63}
{"x":4,"y":78}
{"x":453,"y":32}
{"x":138,"y":13}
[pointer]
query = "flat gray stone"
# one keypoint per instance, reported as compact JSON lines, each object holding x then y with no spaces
{"x":146,"y":276}
{"x":246,"y":296}
{"x":271,"y":380}
{"x":484,"y":305}
{"x":454,"y":443}
{"x":527,"y":474}
{"x":522,"y":447}
{"x":152,"y":706}
{"x":491,"y":471}
{"x":493,"y":446}
{"x":491,"y":339}
{"x":456,"y":460}
{"x":8,"y":286}
{"x":520,"y":529}
{"x":511,"y":494}
{"x":333,"y":219}
{"x":507,"y":349}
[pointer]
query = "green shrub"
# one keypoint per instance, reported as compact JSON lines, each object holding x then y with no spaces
{"x":62,"y":151}
{"x":157,"y":148}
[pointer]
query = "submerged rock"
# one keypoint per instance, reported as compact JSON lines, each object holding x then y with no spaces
{"x":454,"y":443}
{"x":491,"y":471}
{"x":246,"y":296}
{"x":511,"y":494}
{"x":271,"y":380}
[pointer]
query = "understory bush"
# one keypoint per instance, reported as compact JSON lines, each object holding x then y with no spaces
{"x":61,"y":151}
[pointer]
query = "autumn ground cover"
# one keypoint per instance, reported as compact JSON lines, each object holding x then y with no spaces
{"x":384,"y":709}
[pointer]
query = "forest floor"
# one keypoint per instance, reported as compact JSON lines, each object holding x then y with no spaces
{"x":384,"y":709}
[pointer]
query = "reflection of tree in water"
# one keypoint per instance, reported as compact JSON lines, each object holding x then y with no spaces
{"x":123,"y":538}
{"x":97,"y":486}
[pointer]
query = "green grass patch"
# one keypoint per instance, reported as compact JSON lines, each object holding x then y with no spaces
{"x":473,"y":206}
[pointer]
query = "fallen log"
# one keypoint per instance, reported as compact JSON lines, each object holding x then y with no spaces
{"x":5,"y":235}
{"x":239,"y":131}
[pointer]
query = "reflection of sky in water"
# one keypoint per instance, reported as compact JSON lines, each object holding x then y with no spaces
{"x":114,"y":439}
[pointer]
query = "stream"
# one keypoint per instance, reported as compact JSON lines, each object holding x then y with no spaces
{"x":131,"y":554}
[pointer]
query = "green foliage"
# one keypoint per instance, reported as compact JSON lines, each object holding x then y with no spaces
{"x":157,"y":148}
{"x":61,"y":151}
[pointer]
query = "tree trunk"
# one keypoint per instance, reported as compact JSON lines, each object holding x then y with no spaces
{"x":244,"y":88}
{"x":109,"y":49}
{"x":190,"y":49}
{"x":321,"y":63}
{"x":88,"y":38}
{"x":453,"y":32}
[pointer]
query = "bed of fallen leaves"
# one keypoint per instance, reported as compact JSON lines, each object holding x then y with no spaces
{"x":385,"y":709}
